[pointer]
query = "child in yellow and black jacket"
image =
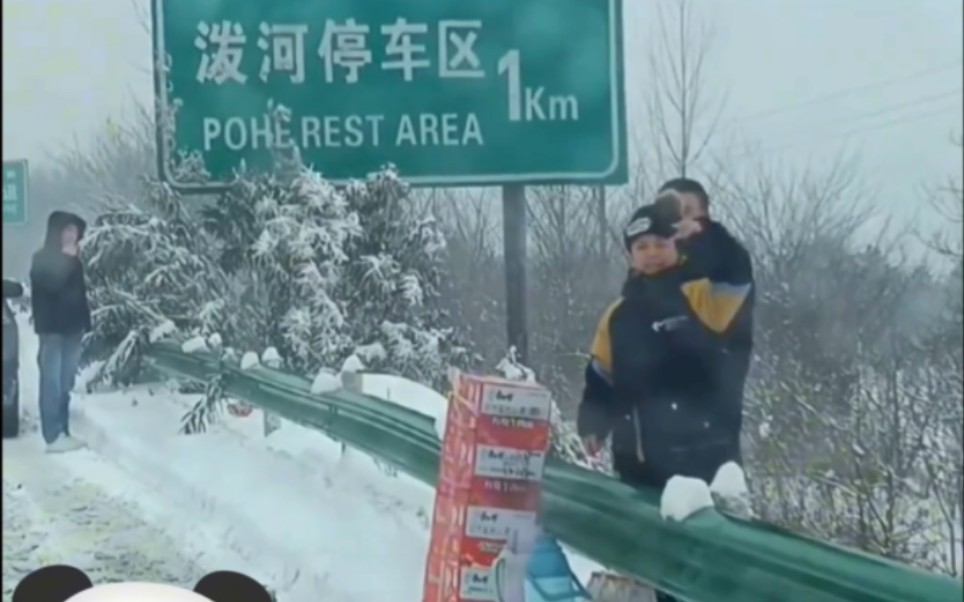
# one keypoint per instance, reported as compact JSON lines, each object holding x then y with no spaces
{"x":657,"y":380}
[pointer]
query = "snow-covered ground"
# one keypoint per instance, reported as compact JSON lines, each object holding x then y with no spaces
{"x":53,"y":513}
{"x":145,"y":503}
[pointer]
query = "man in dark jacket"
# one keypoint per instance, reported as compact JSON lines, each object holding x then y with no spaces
{"x":711,"y":251}
{"x":61,"y":316}
{"x":656,"y":380}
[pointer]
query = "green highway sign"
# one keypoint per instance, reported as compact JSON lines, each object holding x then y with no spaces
{"x":453,"y":93}
{"x":15,"y":177}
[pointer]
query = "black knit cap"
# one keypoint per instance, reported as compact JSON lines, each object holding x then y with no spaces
{"x":657,"y":220}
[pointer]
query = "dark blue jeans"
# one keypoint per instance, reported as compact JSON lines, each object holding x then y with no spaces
{"x":58,"y":359}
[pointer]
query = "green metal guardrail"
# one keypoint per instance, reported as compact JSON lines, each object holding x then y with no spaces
{"x":709,"y":558}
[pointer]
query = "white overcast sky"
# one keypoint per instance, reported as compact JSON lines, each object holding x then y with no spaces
{"x":69,"y":64}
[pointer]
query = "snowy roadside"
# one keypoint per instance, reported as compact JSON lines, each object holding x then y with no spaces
{"x":311,"y":448}
{"x":82,"y":509}
{"x":191,"y":487}
{"x":309,"y":529}
{"x":290,"y":509}
{"x":52,"y":514}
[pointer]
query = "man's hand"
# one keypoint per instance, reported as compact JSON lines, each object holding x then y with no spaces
{"x":687,"y":228}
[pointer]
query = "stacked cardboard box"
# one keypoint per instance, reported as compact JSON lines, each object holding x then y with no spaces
{"x":493,"y":453}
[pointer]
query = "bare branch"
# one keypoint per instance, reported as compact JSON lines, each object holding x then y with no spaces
{"x":682,"y":118}
{"x":947,"y":201}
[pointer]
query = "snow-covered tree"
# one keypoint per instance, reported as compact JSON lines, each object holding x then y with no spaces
{"x":849,"y":429}
{"x":392,"y":284}
{"x":284,"y":261}
{"x":147,"y":265}
{"x":282,"y":246}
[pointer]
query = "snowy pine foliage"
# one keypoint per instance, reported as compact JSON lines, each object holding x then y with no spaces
{"x":318,"y":273}
{"x":282,"y":245}
{"x":392,"y":284}
{"x":147,"y":267}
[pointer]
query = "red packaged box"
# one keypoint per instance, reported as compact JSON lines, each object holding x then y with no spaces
{"x":493,"y":454}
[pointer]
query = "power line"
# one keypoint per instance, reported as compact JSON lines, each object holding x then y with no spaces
{"x":912,"y":103}
{"x":847,"y":134}
{"x":846,"y":92}
{"x":916,"y":102}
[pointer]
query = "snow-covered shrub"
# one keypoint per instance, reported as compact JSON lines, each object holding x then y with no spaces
{"x":282,"y":246}
{"x":285,"y":262}
{"x":392,"y":284}
{"x":146,"y":266}
{"x":853,"y":412}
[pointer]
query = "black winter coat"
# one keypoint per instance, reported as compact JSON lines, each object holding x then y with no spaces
{"x":718,"y":255}
{"x":58,"y":292}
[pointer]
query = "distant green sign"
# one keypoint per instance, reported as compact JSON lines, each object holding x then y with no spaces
{"x":467,"y":92}
{"x":15,"y":192}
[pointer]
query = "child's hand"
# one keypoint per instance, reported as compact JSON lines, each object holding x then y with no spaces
{"x":687,"y":228}
{"x":592,"y":445}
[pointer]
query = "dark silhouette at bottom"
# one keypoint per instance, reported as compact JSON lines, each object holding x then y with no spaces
{"x":55,"y":583}
{"x":58,"y":583}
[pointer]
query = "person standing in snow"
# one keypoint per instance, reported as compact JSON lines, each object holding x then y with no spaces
{"x":656,"y":380}
{"x":702,"y":259}
{"x":61,"y":316}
